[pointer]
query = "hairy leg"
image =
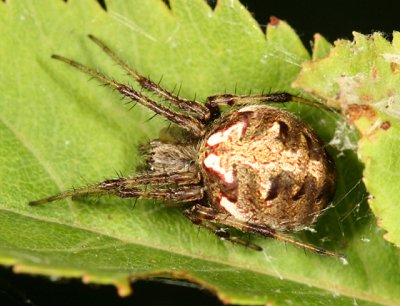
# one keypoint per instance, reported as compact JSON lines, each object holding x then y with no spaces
{"x":198,"y":110}
{"x":189,"y":123}
{"x":197,"y":219}
{"x":171,"y":186}
{"x":202,"y":214}
{"x":214,"y":102}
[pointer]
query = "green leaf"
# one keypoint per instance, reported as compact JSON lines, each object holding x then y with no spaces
{"x":321,"y":47}
{"x":59,"y":130}
{"x":362,"y":78}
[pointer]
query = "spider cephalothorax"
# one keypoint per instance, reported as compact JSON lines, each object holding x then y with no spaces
{"x":256,"y":168}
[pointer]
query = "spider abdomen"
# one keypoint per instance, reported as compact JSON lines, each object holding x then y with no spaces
{"x":264,"y":166}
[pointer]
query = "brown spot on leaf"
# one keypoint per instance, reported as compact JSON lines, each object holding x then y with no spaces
{"x":274,"y":21}
{"x":394,"y":67}
{"x":357,"y":111}
{"x":385,"y":125}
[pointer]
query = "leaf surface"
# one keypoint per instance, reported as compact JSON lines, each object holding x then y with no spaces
{"x":362,"y":78}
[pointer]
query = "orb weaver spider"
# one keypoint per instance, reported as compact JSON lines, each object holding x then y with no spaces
{"x":256,"y":168}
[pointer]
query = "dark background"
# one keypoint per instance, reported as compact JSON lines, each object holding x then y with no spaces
{"x":333,"y":19}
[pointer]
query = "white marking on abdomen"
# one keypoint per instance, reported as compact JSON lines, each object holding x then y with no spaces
{"x":232,"y":209}
{"x":222,"y":136}
{"x":213,"y":161}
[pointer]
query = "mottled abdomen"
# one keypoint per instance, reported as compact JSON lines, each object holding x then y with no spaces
{"x":264,"y":166}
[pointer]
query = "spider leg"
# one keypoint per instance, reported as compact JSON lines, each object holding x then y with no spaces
{"x":191,"y":124}
{"x":177,"y":186}
{"x":214,"y":102}
{"x":218,"y":230}
{"x":198,"y":110}
{"x":188,"y":193}
{"x":201,"y":214}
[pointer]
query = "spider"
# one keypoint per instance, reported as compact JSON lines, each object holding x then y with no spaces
{"x":255,"y":168}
